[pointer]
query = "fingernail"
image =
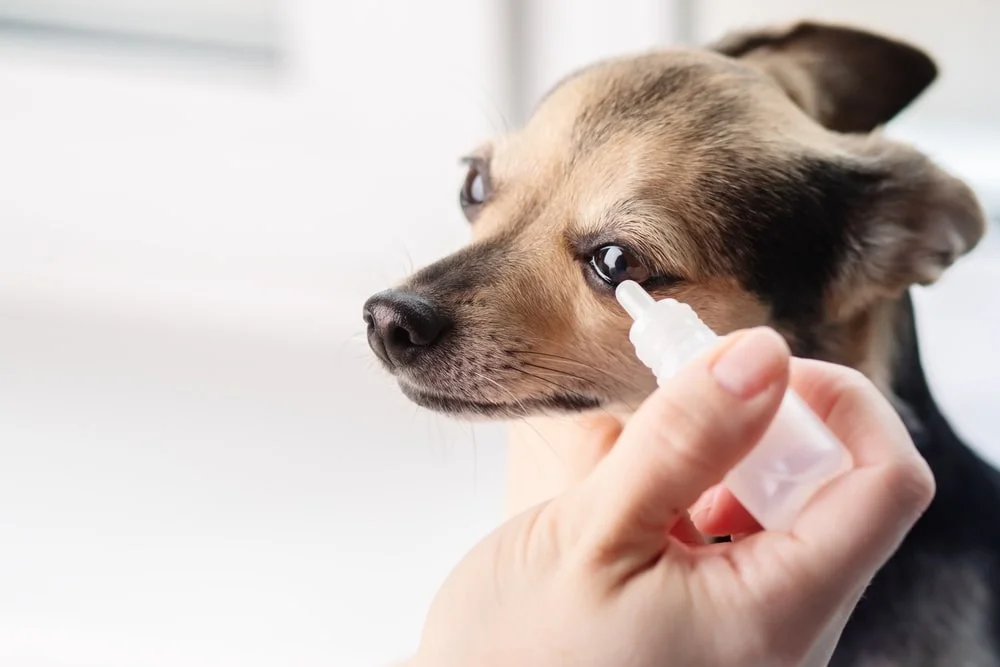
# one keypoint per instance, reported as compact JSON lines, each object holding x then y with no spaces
{"x":704,"y":503}
{"x":751,"y":364}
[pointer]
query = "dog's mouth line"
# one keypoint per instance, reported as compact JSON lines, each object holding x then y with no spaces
{"x":449,"y":403}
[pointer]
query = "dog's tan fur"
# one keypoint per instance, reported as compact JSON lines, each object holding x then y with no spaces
{"x":749,"y":180}
{"x":658,"y":150}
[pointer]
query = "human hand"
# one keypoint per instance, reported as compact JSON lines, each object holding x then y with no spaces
{"x":607,"y":574}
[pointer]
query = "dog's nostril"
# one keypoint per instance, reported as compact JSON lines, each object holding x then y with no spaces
{"x":400,"y":337}
{"x":401,"y":324}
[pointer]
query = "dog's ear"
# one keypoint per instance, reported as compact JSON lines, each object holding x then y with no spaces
{"x":914,"y":221}
{"x":848,"y":80}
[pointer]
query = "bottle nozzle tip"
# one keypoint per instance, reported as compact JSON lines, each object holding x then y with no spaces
{"x":633,"y":298}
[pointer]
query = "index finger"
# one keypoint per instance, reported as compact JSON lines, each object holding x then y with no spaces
{"x":854,"y":410}
{"x":853,"y":524}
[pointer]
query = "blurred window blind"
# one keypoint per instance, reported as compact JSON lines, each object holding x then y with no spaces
{"x":242,"y":26}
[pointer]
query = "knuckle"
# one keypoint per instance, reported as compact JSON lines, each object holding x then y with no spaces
{"x":912,"y":484}
{"x":683,"y":437}
{"x":543,"y":537}
{"x":853,"y":382}
{"x":854,"y":394}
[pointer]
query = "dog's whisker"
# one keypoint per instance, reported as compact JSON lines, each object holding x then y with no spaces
{"x":432,"y":426}
{"x":567,"y":360}
{"x":491,"y":110}
{"x":555,"y":452}
{"x":441,"y":435}
{"x":409,"y":268}
{"x":629,"y":385}
{"x":504,"y":389}
{"x":563,"y":389}
{"x":434,"y":433}
{"x":549,"y":382}
{"x":355,"y":337}
{"x":524,"y":411}
{"x":560,"y":373}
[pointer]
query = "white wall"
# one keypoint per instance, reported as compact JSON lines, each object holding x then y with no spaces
{"x":200,"y":463}
{"x":559,"y":36}
{"x":958,"y":118}
{"x":960,"y":34}
{"x":214,"y":184}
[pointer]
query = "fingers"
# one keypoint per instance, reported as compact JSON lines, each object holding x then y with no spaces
{"x":876,"y":504}
{"x":685,"y":531}
{"x":854,"y":409}
{"x":681,"y":441}
{"x":856,"y":412}
{"x":719,"y":513}
{"x":855,"y":523}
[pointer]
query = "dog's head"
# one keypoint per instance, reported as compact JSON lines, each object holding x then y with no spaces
{"x":743,"y":179}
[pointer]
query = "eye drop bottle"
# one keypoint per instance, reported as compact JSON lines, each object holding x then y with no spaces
{"x":796,"y":455}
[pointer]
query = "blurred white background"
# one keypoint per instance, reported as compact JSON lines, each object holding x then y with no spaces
{"x":200,"y":464}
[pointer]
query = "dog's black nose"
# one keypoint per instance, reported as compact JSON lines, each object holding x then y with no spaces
{"x":401,"y":325}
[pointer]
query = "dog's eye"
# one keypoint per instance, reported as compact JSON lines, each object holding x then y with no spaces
{"x":476,"y":189}
{"x":614,"y":264}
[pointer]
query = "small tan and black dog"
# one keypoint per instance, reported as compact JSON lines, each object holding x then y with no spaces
{"x":747,"y":179}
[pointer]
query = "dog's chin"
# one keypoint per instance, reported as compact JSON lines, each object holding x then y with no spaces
{"x":522,"y":407}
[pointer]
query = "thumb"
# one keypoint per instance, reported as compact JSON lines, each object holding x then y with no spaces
{"x":681,"y":441}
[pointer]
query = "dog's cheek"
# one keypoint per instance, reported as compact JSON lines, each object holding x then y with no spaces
{"x":724,"y":305}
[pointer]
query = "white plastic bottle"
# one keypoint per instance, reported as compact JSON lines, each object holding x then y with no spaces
{"x":796,"y":455}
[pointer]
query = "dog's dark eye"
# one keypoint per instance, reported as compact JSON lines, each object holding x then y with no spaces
{"x":476,"y":189}
{"x":614,"y":264}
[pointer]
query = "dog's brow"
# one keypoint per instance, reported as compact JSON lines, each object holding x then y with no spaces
{"x":629,"y":212}
{"x":625,"y":220}
{"x":632,"y":223}
{"x":482,"y":154}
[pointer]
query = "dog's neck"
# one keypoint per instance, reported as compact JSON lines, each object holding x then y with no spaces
{"x":882,"y":343}
{"x":869,"y":341}
{"x":911,"y":392}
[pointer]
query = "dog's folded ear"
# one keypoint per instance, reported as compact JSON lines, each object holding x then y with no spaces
{"x":849,"y":80}
{"x":914,"y":222}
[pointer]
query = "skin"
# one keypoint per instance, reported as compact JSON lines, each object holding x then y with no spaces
{"x":610,"y":573}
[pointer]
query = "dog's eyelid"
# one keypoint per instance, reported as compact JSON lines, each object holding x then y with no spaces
{"x":662,"y":274}
{"x":477,"y":159}
{"x":477,"y":189}
{"x":481,"y":165}
{"x":586,"y":245}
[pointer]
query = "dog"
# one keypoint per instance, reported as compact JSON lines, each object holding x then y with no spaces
{"x":748,"y":179}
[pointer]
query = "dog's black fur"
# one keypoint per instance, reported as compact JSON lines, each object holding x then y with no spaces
{"x":828,"y":232}
{"x":937,"y":600}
